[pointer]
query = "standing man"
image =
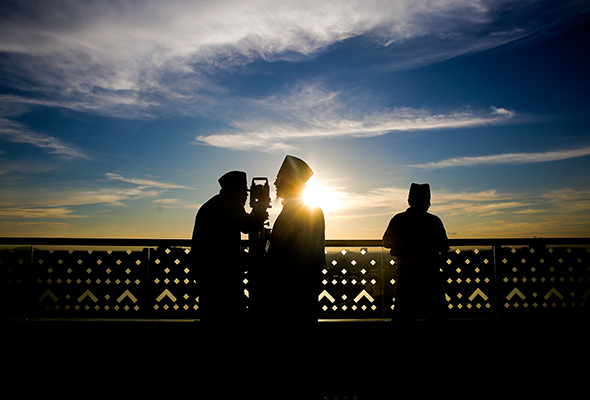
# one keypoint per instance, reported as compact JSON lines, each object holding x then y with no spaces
{"x":219,"y":259}
{"x":297,"y":247}
{"x":418,"y":238}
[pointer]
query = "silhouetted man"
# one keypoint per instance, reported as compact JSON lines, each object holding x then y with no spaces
{"x":219,"y":259}
{"x":296,"y":251}
{"x":418,"y":238}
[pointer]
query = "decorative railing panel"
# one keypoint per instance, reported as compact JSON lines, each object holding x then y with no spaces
{"x":172,"y":293}
{"x":154,"y":279}
{"x":93,"y":283}
{"x":541,"y":280}
{"x":470,"y":283}
{"x":357,"y":283}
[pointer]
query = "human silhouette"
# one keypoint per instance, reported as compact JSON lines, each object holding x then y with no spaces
{"x":417,"y":238}
{"x":296,"y":250}
{"x":216,"y":250}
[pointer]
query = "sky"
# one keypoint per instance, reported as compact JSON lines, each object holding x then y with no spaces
{"x":118,"y":117}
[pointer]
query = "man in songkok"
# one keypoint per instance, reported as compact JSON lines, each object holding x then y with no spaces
{"x":418,"y":238}
{"x":296,"y":252}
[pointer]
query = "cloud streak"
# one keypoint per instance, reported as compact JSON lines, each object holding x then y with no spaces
{"x":509,"y":158}
{"x":67,"y":197}
{"x":17,"y":133}
{"x":311,"y":112}
{"x":52,"y":203}
{"x":145,"y":182}
{"x":480,"y":213}
{"x":24,"y":167}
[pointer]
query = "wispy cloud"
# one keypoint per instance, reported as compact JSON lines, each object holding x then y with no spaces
{"x":167,"y":202}
{"x":61,"y":203}
{"x":568,"y":200}
{"x":17,"y":133}
{"x":20,"y":212}
{"x":41,"y":198}
{"x":509,"y":158}
{"x":311,"y":112}
{"x":153,"y":57}
{"x":344,"y":204}
{"x":478,"y":213}
{"x":36,"y":228}
{"x":120,"y":104}
{"x":449,"y":203}
{"x":464,"y":203}
{"x":24,"y":167}
{"x":145,"y":182}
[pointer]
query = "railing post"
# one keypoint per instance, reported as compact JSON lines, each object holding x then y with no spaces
{"x":29,"y":287}
{"x":148,"y":292}
{"x":495,"y":261}
{"x":383,"y":302}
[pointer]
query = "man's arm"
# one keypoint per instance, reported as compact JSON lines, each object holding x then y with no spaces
{"x":392,"y":238}
{"x":388,"y":236}
{"x":444,"y":240}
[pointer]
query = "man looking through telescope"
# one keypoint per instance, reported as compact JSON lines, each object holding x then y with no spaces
{"x":219,"y":260}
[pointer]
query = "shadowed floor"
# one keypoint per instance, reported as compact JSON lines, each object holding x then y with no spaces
{"x":331,"y":360}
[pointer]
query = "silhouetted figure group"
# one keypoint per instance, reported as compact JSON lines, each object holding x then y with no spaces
{"x":285,"y":282}
{"x":293,"y":261}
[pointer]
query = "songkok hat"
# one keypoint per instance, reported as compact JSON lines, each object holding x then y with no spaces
{"x":234,"y":180}
{"x":294,"y":169}
{"x":419,"y":191}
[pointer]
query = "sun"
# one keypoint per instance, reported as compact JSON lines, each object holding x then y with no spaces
{"x":324,"y":197}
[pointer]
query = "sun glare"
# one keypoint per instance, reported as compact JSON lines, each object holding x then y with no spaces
{"x":317,"y":195}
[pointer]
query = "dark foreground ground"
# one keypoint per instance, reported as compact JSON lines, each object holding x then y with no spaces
{"x":333,"y":360}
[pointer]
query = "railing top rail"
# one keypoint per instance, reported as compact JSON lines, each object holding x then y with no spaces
{"x":135,"y":242}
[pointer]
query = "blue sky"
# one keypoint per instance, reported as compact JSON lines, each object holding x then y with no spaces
{"x":117,"y":118}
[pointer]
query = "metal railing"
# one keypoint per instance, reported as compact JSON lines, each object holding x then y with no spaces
{"x":150,"y":279}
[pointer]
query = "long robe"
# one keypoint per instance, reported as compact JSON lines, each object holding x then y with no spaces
{"x":296,"y":255}
{"x":218,"y":258}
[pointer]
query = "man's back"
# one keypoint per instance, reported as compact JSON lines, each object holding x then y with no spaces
{"x":415,"y":233}
{"x":218,"y":223}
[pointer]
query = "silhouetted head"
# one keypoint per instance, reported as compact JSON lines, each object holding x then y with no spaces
{"x":419,"y":196}
{"x":291,"y":177}
{"x":235,"y":184}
